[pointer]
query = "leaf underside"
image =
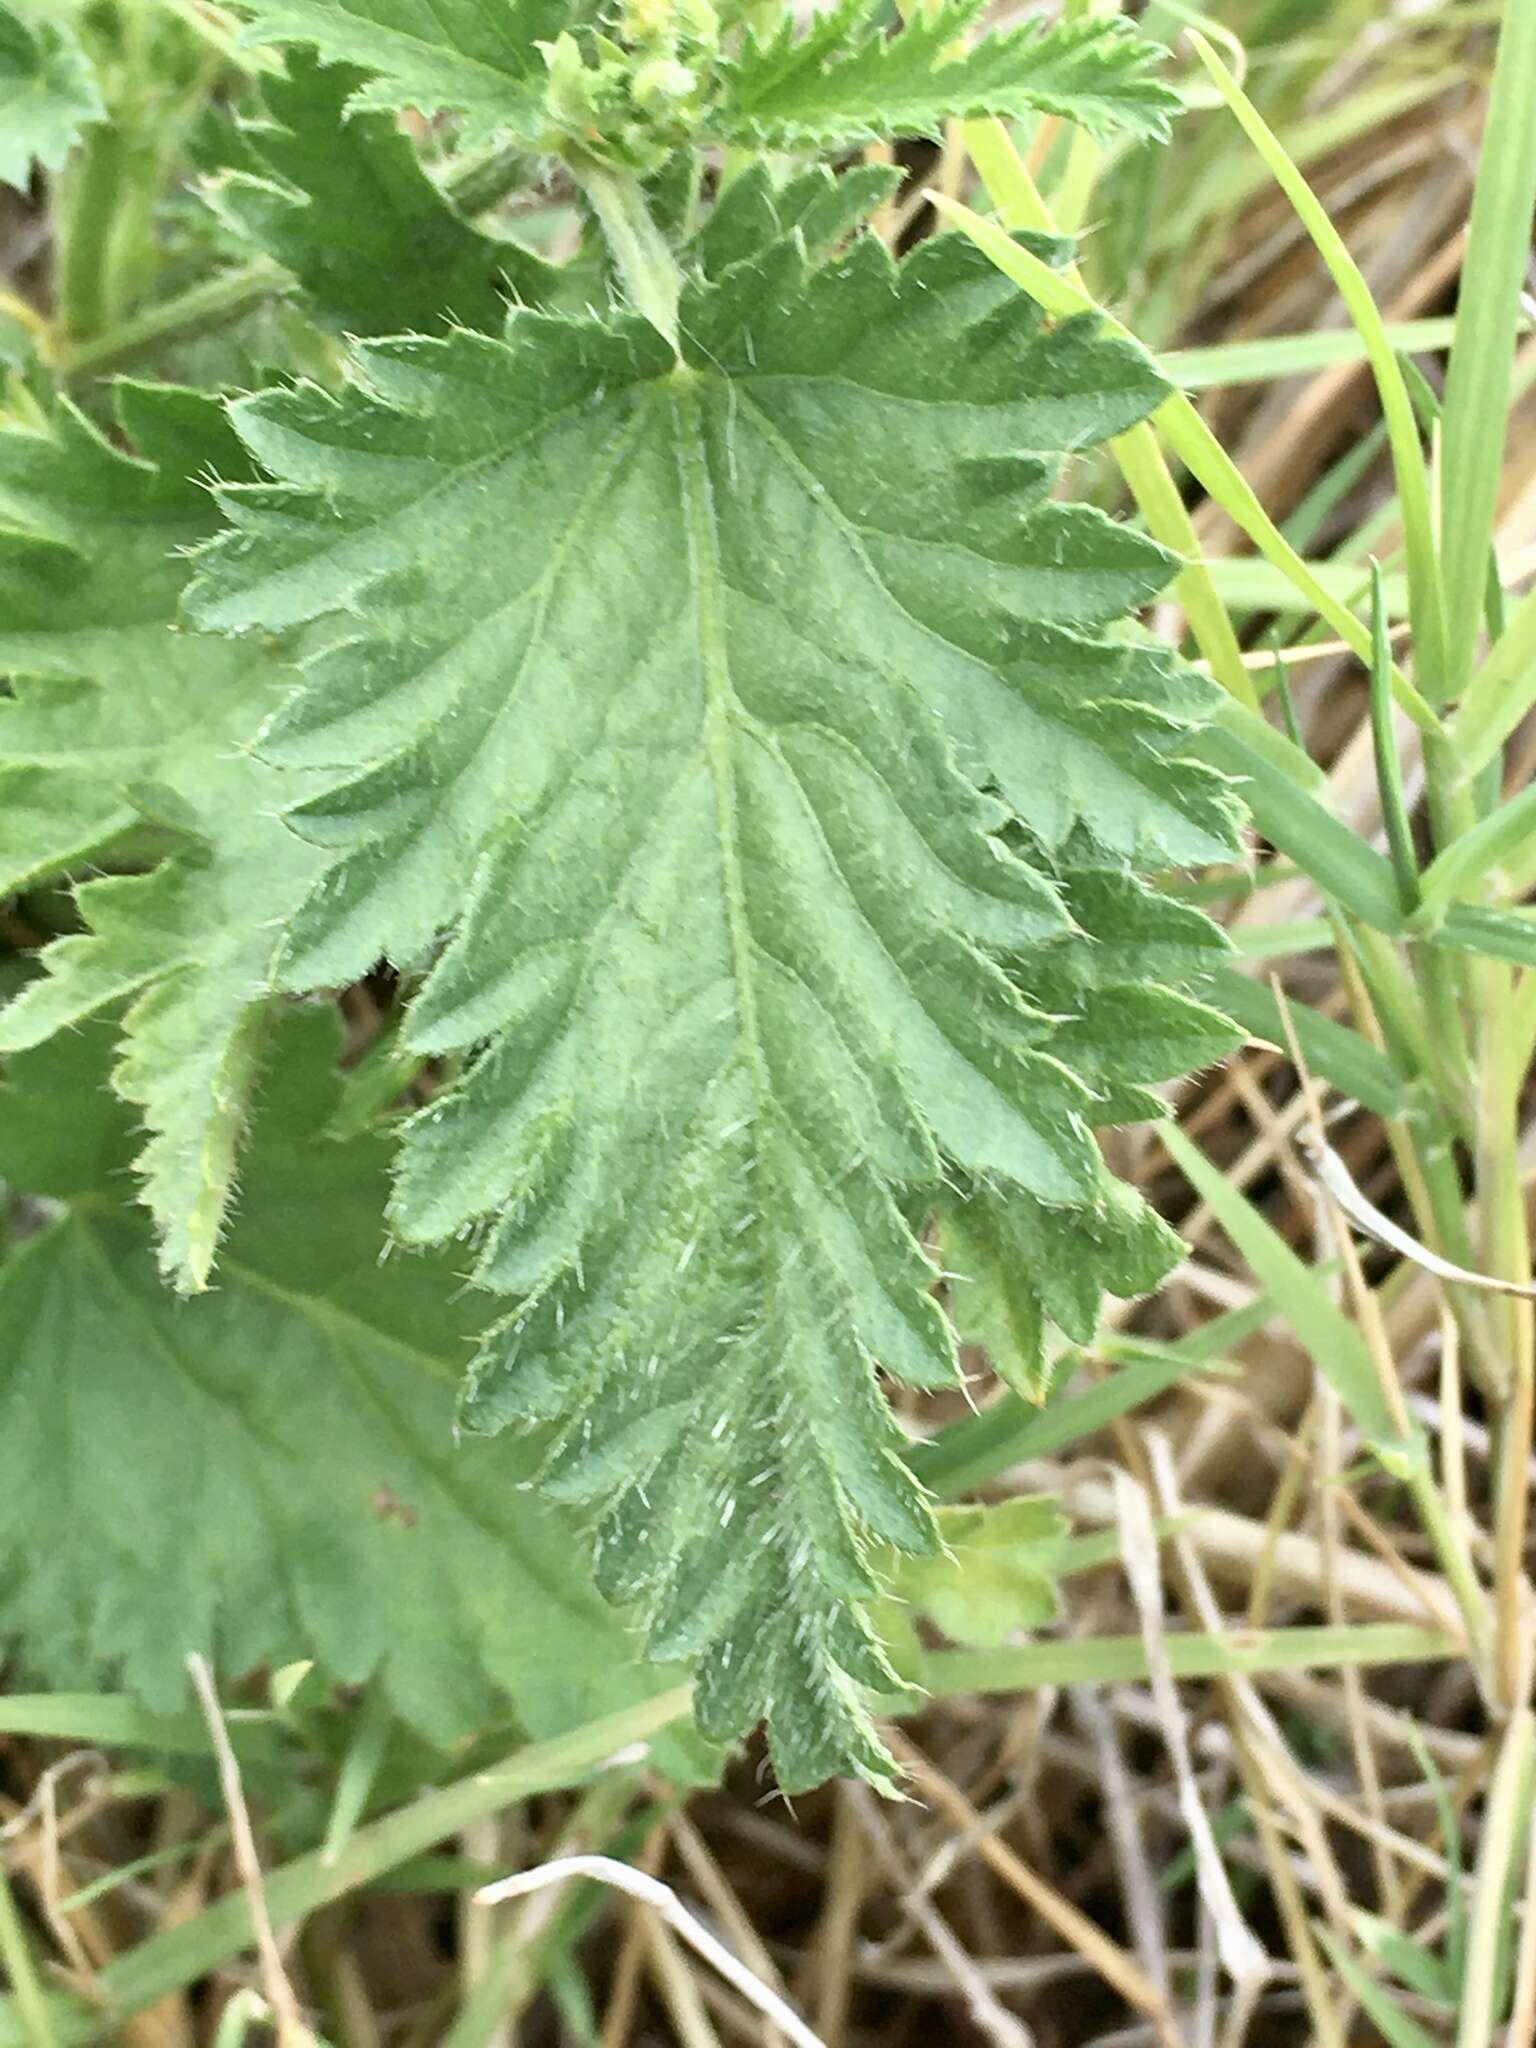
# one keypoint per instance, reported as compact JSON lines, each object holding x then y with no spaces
{"x":121,"y":727}
{"x":267,"y":1473}
{"x":644,"y":688}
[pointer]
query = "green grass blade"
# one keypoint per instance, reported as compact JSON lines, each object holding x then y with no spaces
{"x":1122,"y":1660}
{"x":977,"y":1448}
{"x":1188,"y":436}
{"x":1351,"y":1063}
{"x":1498,"y":934}
{"x":168,"y":1960}
{"x":1501,"y":693}
{"x":1139,"y":453}
{"x":1394,"y":2025}
{"x":1336,"y":1347}
{"x":1477,"y":383}
{"x":1472,"y":856}
{"x":1293,"y":355}
{"x":1428,"y":606}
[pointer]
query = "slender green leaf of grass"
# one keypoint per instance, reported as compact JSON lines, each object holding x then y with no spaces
{"x":1451,"y":1848}
{"x":1501,"y":693}
{"x":977,"y":1448}
{"x":1138,"y":452}
{"x":1389,"y":767}
{"x":1188,"y":436}
{"x":1411,"y":1962}
{"x":1505,"y":1819}
{"x":1251,"y":586}
{"x":1351,"y":1063}
{"x":1477,"y":382}
{"x":179,"y":1955}
{"x":359,"y":1769}
{"x":1350,"y":873}
{"x":1468,"y":859}
{"x":1122,"y":1660}
{"x":1395,"y":2026}
{"x":1292,"y":355}
{"x":1427,"y":601}
{"x":1498,"y":934}
{"x":31,"y":2003}
{"x":1335,"y":1346}
{"x":111,"y":1720}
{"x":1280,"y":941}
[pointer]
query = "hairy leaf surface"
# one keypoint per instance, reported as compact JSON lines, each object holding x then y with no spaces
{"x":121,"y":727}
{"x":47,"y":92}
{"x":266,"y":1473}
{"x":846,"y":80}
{"x":342,"y":200}
{"x":638,"y":702}
{"x":478,"y":58}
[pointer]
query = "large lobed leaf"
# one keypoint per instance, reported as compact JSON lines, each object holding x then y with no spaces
{"x":478,"y":58}
{"x":845,"y":80}
{"x":266,"y":1473}
{"x":121,"y":728}
{"x":642,"y":701}
{"x":343,"y":201}
{"x":842,"y":80}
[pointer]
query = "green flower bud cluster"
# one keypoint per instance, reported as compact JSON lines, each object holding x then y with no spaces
{"x":632,"y":96}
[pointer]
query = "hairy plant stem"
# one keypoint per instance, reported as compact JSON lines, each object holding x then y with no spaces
{"x":647,"y":268}
{"x":90,"y":213}
{"x":199,"y":310}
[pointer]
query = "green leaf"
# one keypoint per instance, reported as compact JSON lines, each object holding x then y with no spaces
{"x":1016,"y":1265}
{"x":845,"y":80}
{"x":47,"y":94}
{"x":345,"y":204}
{"x":1334,"y":1344}
{"x":995,"y":1578}
{"x":119,"y":722}
{"x":478,"y":58}
{"x":727,"y":925}
{"x":267,"y":1473}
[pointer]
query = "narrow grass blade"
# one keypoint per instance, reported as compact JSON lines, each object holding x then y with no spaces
{"x":1138,"y":452}
{"x":1336,"y":1347}
{"x":1395,"y":2026}
{"x":1501,"y":693}
{"x":1350,"y":873}
{"x":1468,"y":859}
{"x":177,"y":1956}
{"x":31,"y":2002}
{"x":1293,"y":355}
{"x":1506,"y":1816}
{"x":1188,"y":436}
{"x":977,"y":1448}
{"x":1389,"y":769}
{"x":1500,"y":934}
{"x":1477,"y":383}
{"x":1122,"y":1660}
{"x":1402,"y":427}
{"x":1351,"y":1063}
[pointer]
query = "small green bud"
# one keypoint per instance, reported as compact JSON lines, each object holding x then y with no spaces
{"x":662,"y":83}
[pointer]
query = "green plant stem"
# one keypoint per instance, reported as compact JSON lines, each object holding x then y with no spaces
{"x":85,"y":234}
{"x":480,"y":183}
{"x":1505,"y":1816}
{"x":200,"y":309}
{"x":651,"y":278}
